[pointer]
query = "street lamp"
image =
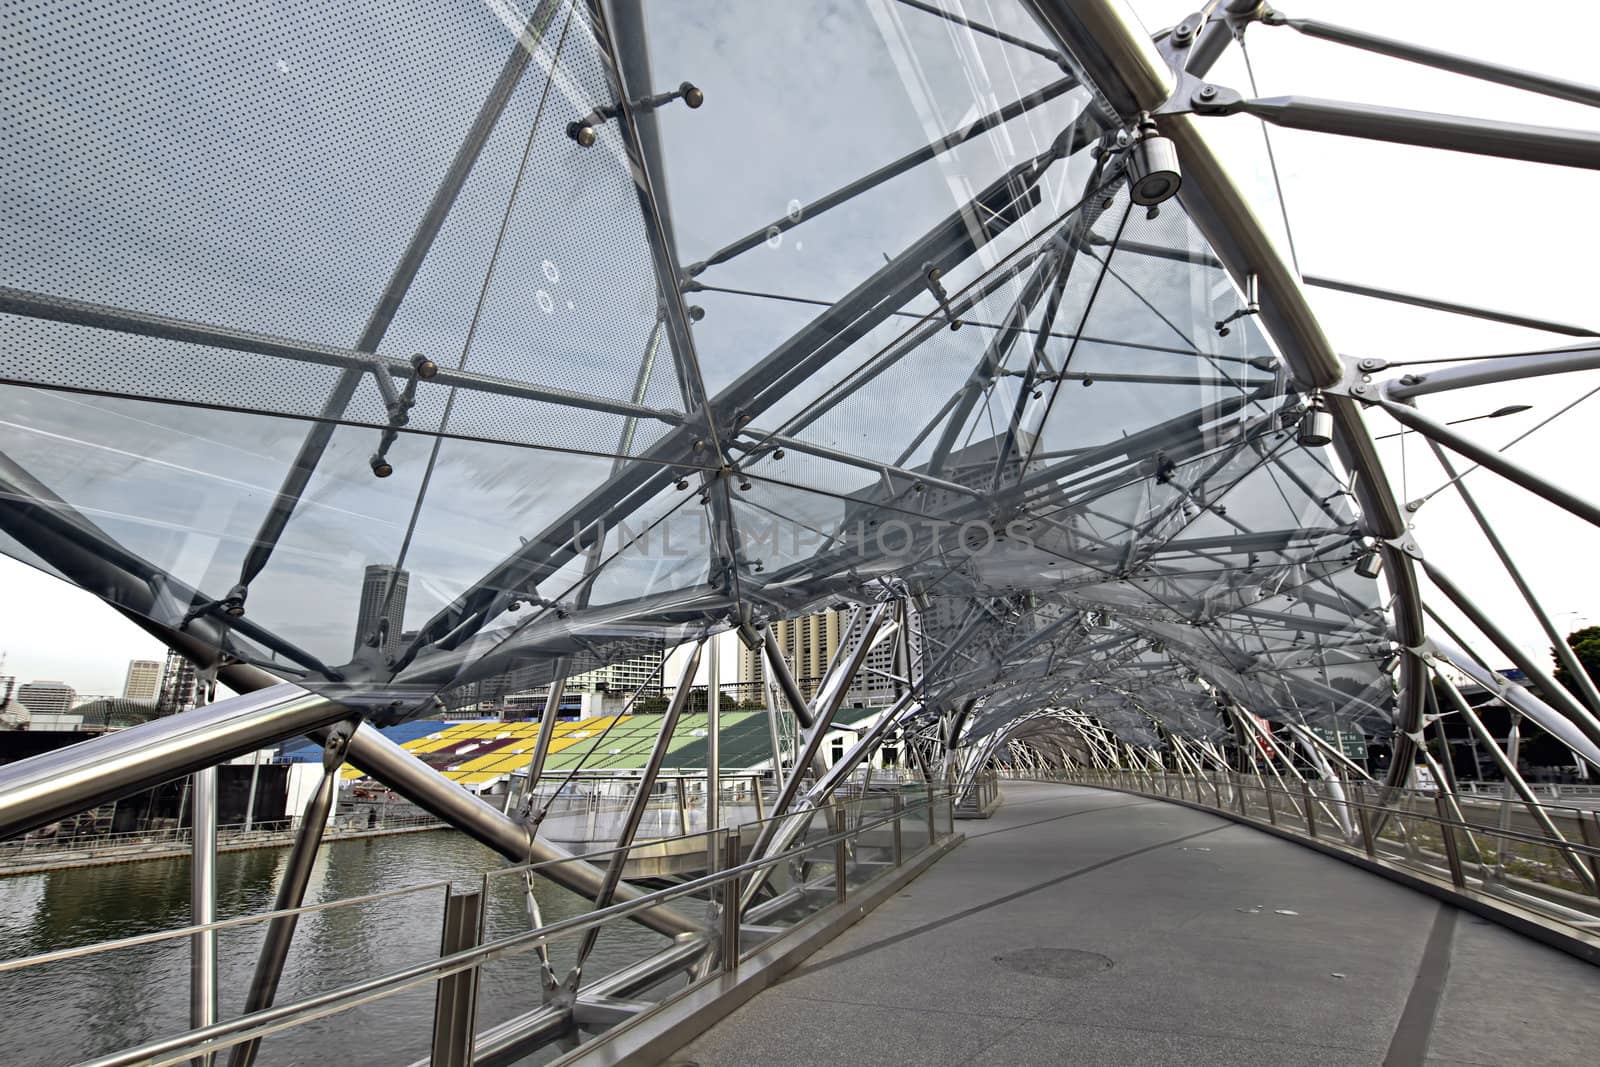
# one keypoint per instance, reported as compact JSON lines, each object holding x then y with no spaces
{"x":1497,"y":413}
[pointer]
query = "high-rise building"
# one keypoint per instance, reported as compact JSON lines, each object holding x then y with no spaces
{"x":47,"y":698}
{"x":143,"y":681}
{"x":177,"y":686}
{"x":809,"y":644}
{"x":379,"y":605}
{"x":624,"y":676}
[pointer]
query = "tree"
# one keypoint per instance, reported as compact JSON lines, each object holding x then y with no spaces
{"x":1585,"y":645}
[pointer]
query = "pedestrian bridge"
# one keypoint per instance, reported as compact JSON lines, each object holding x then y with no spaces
{"x":388,"y":365}
{"x":1086,"y":926}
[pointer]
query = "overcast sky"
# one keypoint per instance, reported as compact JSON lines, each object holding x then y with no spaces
{"x":1512,"y":236}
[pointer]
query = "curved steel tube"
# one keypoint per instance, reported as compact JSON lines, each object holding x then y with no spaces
{"x":1122,"y":62}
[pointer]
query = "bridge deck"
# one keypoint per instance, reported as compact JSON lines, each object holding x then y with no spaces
{"x":1081,"y":926}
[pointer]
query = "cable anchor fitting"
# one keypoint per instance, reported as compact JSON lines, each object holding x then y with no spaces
{"x":932,"y":276}
{"x":585,"y":131}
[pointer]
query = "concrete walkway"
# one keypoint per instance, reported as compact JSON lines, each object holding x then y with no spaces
{"x":1081,"y":926}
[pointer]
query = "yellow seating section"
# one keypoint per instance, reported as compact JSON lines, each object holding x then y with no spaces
{"x":520,"y":738}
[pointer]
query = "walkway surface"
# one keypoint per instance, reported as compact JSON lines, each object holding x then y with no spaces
{"x":1082,"y":926}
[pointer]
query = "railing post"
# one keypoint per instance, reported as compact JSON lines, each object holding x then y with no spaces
{"x":1238,"y":792}
{"x":203,"y":904}
{"x":1310,"y":807}
{"x":1364,"y":820}
{"x":715,"y":849}
{"x":1272,"y":809}
{"x":683,"y":808}
{"x":455,"y":1007}
{"x":1447,"y":832}
{"x":732,"y":891}
{"x":1591,"y":838}
{"x":841,"y":852}
{"x":899,"y":842}
{"x":932,"y":831}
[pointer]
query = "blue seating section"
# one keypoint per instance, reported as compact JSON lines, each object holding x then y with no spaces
{"x":304,"y":751}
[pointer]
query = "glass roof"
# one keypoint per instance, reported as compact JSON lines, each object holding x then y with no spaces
{"x":294,"y":291}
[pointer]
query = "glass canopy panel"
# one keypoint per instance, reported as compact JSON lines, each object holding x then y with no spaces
{"x":226,"y":265}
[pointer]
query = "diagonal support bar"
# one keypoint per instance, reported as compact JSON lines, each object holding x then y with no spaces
{"x":1512,"y":775}
{"x":1488,"y":457}
{"x":888,"y":171}
{"x":777,"y":831}
{"x":1532,"y":81}
{"x":1424,"y":129}
{"x":405,"y":272}
{"x":780,"y":671}
{"x":292,"y":891}
{"x":607,"y":888}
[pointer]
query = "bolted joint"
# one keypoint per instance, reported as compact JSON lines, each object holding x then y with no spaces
{"x":232,"y":605}
{"x":1211,"y":99}
{"x":380,"y":466}
{"x":1184,"y":33}
{"x":582,"y":133}
{"x":338,"y":743}
{"x":1406,"y":544}
{"x":425,"y":368}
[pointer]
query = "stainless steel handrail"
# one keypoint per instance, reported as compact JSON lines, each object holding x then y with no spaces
{"x":219,"y":1036}
{"x":225,"y":1035}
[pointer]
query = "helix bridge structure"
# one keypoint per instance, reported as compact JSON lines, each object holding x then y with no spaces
{"x":614,"y":325}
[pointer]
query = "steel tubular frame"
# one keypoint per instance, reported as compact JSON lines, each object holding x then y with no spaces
{"x":1125,"y":66}
{"x":777,"y":833}
{"x":1135,"y":79}
{"x":1532,"y":81}
{"x":1508,"y":140}
{"x":606,"y":891}
{"x":203,"y":903}
{"x":1512,"y":775}
{"x":405,"y":272}
{"x":292,"y":890}
{"x":1491,"y":459}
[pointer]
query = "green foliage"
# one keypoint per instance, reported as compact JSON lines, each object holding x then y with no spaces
{"x":1585,"y":644}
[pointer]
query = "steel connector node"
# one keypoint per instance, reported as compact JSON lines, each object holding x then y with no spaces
{"x":1153,"y":172}
{"x":1316,"y":425}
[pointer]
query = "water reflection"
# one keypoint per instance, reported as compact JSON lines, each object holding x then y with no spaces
{"x":80,"y":1008}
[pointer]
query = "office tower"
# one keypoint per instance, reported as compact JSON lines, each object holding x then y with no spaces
{"x":143,"y":681}
{"x":624,"y":676}
{"x":374,"y":593}
{"x":47,"y":698}
{"x":177,"y":686}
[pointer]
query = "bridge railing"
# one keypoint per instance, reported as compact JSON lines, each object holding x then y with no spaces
{"x":827,"y":854}
{"x":1545,"y":860}
{"x":35,"y":850}
{"x":590,"y":807}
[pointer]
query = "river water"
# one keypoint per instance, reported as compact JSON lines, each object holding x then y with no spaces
{"x":65,"y":1012}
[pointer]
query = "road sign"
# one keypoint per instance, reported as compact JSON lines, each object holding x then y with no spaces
{"x":1352,"y":743}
